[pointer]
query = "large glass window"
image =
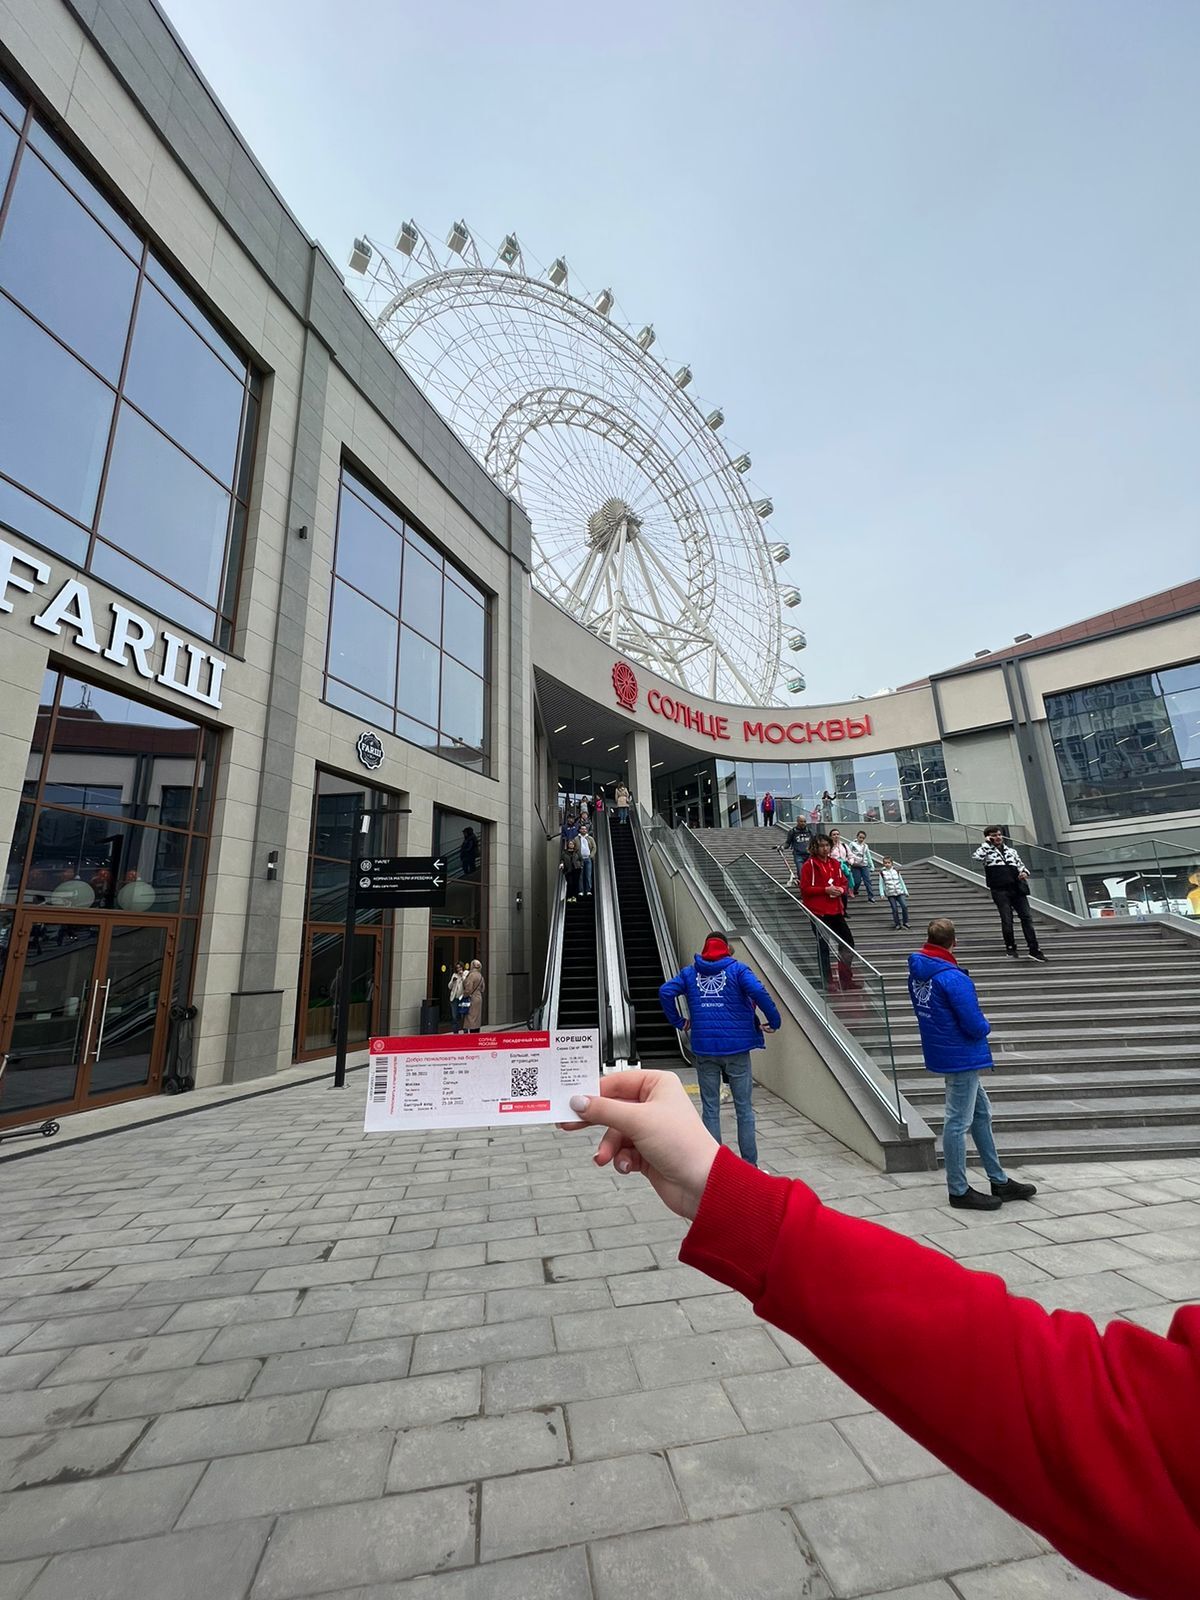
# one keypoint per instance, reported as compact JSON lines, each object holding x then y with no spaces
{"x":891,"y":786}
{"x":111,"y":816}
{"x":408,"y":632}
{"x":1129,"y":748}
{"x":126,"y":418}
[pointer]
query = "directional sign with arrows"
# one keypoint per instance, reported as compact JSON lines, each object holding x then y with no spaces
{"x":383,"y":881}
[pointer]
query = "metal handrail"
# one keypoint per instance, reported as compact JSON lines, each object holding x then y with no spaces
{"x":854,"y":953}
{"x":621,"y":1041}
{"x":544,"y":1016}
{"x":667,"y":954}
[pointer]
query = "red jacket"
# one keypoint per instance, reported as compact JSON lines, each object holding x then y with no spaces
{"x":815,"y":874}
{"x":1092,"y":1438}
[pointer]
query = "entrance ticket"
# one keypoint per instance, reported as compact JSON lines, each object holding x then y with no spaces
{"x":479,"y":1080}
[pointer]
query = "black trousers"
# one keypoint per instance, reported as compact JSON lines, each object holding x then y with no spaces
{"x":841,"y":927}
{"x":1008,"y":901}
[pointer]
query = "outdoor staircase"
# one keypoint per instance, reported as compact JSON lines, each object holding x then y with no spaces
{"x":1097,"y":1053}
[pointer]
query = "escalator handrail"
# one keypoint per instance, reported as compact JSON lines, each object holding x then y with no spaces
{"x":544,"y":1016}
{"x":621,"y":1043}
{"x":668,"y":956}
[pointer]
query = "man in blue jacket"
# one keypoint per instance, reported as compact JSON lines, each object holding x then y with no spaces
{"x":723,"y":998}
{"x":954,"y":1034}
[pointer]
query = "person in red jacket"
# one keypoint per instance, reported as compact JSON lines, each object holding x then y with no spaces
{"x":1091,"y":1438}
{"x":823,"y":890}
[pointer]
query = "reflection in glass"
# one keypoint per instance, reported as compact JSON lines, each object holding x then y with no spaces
{"x":417,"y":685}
{"x":362,"y":641}
{"x":148,"y":589}
{"x":55,"y":1016}
{"x":64,"y":268}
{"x":8,"y":144}
{"x":10,"y":106}
{"x":54,"y":417}
{"x":156,"y":499}
{"x":358,"y":704}
{"x":75,"y":178}
{"x":324,"y":989}
{"x":123,"y":1033}
{"x":462,"y":705}
{"x":179,"y":383}
{"x":24,"y":514}
{"x":421,"y":600}
{"x":183,"y":301}
{"x":368,"y":552}
{"x":466,"y":628}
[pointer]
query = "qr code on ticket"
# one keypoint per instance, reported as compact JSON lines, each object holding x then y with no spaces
{"x":524,"y":1083}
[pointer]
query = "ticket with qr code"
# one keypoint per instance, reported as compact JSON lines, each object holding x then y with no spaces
{"x":479,"y":1080}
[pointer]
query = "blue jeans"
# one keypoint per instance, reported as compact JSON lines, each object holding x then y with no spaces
{"x":622,"y":813}
{"x":587,"y":875}
{"x":967,"y":1106}
{"x":899,"y":905}
{"x":860,"y":878}
{"x":737,"y":1070}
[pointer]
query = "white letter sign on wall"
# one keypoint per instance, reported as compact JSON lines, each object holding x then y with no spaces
{"x":187,"y":669}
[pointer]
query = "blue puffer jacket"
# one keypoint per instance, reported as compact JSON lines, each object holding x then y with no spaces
{"x":953,"y":1029}
{"x":722,"y":996}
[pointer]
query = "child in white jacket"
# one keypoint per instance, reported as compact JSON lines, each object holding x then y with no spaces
{"x":895,"y":891}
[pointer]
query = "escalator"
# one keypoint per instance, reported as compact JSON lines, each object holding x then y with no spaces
{"x":579,"y":983}
{"x":646,"y":948}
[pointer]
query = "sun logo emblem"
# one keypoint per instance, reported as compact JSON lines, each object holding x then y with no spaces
{"x":711,"y":984}
{"x":922,"y":991}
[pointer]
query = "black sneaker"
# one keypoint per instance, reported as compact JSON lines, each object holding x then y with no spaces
{"x":1015,"y":954}
{"x":1038,"y":955}
{"x":974,"y":1200}
{"x":1010,"y":1189}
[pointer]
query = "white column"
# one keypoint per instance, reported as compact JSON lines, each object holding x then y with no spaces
{"x":637,"y":767}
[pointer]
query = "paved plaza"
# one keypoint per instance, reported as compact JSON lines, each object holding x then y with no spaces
{"x":251,"y":1352}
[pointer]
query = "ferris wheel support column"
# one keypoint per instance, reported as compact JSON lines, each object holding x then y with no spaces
{"x":637,"y":767}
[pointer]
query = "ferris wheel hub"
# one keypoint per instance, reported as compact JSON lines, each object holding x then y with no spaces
{"x":615,"y":518}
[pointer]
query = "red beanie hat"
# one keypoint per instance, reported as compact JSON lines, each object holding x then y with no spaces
{"x":715,"y":947}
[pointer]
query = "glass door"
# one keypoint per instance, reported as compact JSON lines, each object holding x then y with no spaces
{"x":83,"y":1012}
{"x":322,"y":988}
{"x":444,"y":950}
{"x":49,"y":1012}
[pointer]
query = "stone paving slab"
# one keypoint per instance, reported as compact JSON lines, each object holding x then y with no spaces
{"x":254,"y":1355}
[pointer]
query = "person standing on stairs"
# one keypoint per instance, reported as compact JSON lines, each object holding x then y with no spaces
{"x":895,"y":891}
{"x":823,"y":891}
{"x":862,"y":864}
{"x":570,"y":863}
{"x":797,"y":841}
{"x":621,"y":800}
{"x":1008,"y":878}
{"x":587,"y":856}
{"x":724,"y":998}
{"x":954,"y":1042}
{"x":768,"y":810}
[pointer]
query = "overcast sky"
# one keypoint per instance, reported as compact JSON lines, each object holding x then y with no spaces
{"x":938,"y":260}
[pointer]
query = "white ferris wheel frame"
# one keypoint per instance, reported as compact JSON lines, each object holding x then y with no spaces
{"x":705,"y":611}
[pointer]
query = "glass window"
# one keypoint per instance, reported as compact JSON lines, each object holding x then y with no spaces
{"x":180,"y":384}
{"x":368,"y":552}
{"x":74,"y":177}
{"x":135,"y":579}
{"x":462,"y":705}
{"x":8,"y":143}
{"x":10,"y":106}
{"x":157,"y":500}
{"x":439,"y":701}
{"x":461,"y":841}
{"x":24,"y":514}
{"x":417,"y":684}
{"x":362,"y":641}
{"x":421,"y":599}
{"x":54,"y":417}
{"x":1131,"y":747}
{"x":465,"y":627}
{"x":64,"y":268}
{"x":182,"y":301}
{"x":69,"y":256}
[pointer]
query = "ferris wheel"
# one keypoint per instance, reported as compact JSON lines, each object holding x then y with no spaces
{"x":644,"y":526}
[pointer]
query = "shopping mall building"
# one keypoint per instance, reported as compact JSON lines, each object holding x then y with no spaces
{"x":252,"y":587}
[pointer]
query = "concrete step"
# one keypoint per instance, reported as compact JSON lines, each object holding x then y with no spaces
{"x":1029,"y":1147}
{"x":1037,"y":1087}
{"x":1142,"y":1111}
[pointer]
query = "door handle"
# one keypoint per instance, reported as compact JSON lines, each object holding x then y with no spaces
{"x":91,"y":1017}
{"x":103,"y":1019}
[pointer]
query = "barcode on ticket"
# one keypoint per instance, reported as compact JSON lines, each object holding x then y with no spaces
{"x":379,"y":1079}
{"x":524,"y":1083}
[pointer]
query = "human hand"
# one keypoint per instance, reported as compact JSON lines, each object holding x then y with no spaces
{"x":766,"y":1027}
{"x":652,"y":1128}
{"x":687,"y":1022}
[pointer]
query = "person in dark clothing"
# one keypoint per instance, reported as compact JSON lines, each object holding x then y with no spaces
{"x":468,"y":852}
{"x":570,"y":861}
{"x":823,"y":891}
{"x":1008,"y":878}
{"x":797,"y":841}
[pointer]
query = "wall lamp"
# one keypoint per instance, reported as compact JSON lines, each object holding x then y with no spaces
{"x":272,"y":865}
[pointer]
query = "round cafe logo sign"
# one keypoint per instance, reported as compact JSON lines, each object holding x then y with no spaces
{"x":625,"y":685}
{"x":370,"y":751}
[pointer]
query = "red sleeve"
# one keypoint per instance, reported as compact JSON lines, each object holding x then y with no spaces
{"x":1092,"y":1438}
